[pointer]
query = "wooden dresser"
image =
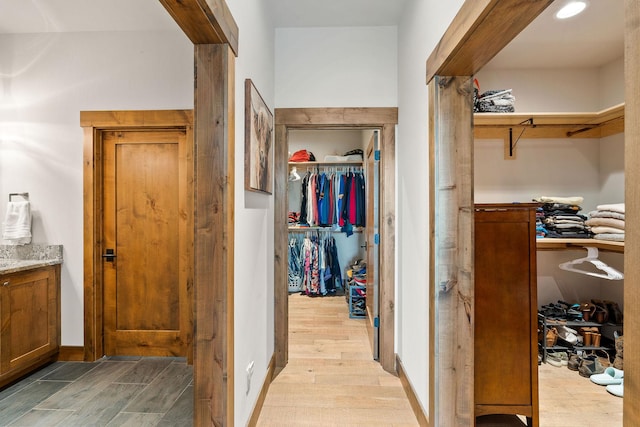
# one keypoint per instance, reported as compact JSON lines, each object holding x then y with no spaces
{"x":506,"y":347}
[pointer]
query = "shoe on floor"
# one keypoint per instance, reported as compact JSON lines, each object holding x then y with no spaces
{"x":610,"y":376}
{"x":590,"y":365}
{"x":557,"y":359}
{"x":616,"y":389}
{"x":574,"y":362}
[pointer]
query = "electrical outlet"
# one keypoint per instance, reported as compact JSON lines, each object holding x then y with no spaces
{"x":249,"y":375}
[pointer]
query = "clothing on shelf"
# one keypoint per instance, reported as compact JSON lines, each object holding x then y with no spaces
{"x":314,"y":268}
{"x":559,"y":217}
{"x":333,"y":199}
{"x":607,"y":222}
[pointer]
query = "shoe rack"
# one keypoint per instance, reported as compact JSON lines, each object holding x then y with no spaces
{"x":562,"y":345}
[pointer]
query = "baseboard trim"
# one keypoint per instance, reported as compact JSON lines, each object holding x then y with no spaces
{"x":411,"y":394}
{"x":71,"y":354}
{"x":257,"y":408}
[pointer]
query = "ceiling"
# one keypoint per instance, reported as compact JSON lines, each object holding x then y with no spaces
{"x":591,"y":39}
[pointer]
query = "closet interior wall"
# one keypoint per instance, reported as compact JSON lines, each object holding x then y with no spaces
{"x":322,"y":143}
{"x":591,"y":168}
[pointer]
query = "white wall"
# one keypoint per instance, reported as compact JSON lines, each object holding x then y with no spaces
{"x":47,"y":79}
{"x":336,"y":67}
{"x":422,"y":26}
{"x":253,"y":291}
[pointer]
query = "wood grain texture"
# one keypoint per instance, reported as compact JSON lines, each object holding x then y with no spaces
{"x":550,"y":125}
{"x":433,"y":337}
{"x":387,"y":247}
{"x":280,"y":246}
{"x":331,"y":378}
{"x":454,"y":251}
{"x":30,"y":319}
{"x":505,"y":294}
{"x":145,"y":221}
{"x":336,"y":117}
{"x":471,"y":40}
{"x":136,"y":118}
{"x":205,"y":21}
{"x":214,"y":234}
{"x":257,"y":408}
{"x":95,"y":123}
{"x":632,"y":201}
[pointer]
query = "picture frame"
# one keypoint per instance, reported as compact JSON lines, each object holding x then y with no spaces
{"x":258,"y":130}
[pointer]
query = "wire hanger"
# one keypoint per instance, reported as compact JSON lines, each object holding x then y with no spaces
{"x":592,"y":257}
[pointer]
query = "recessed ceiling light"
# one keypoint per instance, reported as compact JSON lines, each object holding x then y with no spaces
{"x":571,"y":9}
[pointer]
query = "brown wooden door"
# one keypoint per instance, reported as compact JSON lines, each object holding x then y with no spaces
{"x":146,"y":292}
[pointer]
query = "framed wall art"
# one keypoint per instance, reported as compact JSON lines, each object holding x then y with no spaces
{"x":258,"y":135}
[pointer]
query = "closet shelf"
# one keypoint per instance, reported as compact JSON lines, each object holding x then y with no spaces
{"x":544,"y":244}
{"x":550,"y":125}
{"x":358,"y":163}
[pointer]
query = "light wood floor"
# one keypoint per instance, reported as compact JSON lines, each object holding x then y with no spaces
{"x":331,"y":380}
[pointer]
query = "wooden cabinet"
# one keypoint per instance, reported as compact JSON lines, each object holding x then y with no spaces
{"x":30,"y":318}
{"x":506,"y":349}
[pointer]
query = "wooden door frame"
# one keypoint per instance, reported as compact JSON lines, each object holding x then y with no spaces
{"x":384,"y":119}
{"x":94,"y":124}
{"x":467,"y":45}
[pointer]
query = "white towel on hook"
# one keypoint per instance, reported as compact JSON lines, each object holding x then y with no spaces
{"x":17,"y":223}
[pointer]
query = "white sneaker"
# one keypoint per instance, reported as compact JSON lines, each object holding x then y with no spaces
{"x":568,"y":334}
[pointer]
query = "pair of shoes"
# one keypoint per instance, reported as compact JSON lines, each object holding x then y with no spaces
{"x":557,"y":359}
{"x":567,"y":334}
{"x":610,"y":376}
{"x":590,"y":365}
{"x":616,"y":389}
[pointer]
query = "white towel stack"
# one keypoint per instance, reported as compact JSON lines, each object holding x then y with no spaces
{"x":607,"y":222}
{"x":17,"y":223}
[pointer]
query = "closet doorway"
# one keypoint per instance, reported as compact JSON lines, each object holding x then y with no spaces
{"x":383,"y":121}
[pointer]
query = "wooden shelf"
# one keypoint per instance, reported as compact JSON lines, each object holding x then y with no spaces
{"x":565,"y":244}
{"x":309,"y":164}
{"x":550,"y":125}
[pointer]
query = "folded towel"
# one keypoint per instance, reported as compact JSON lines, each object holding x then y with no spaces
{"x":573,"y":200}
{"x":602,"y":230}
{"x":606,"y":214}
{"x":616,"y":207}
{"x":17,"y":223}
{"x":605,"y":222}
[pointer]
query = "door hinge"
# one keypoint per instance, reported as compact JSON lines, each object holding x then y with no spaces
{"x":376,"y":322}
{"x":376,"y":239}
{"x":376,"y":155}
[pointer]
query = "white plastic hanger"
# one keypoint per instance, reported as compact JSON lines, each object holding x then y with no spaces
{"x":592,"y":257}
{"x":293,"y":175}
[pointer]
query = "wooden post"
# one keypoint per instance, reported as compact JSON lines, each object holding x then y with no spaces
{"x":214,"y":237}
{"x":451,"y":114}
{"x":280,"y":247}
{"x":631,"y":413}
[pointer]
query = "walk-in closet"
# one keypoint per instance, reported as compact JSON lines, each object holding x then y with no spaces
{"x":327,"y":215}
{"x":563,"y":150}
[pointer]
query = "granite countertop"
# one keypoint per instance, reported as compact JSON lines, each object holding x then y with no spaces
{"x":27,"y":257}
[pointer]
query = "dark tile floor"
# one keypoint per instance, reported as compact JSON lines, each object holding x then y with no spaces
{"x":120,"y":391}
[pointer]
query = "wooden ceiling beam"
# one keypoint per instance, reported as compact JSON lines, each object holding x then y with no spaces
{"x":205,"y":21}
{"x":478,"y":32}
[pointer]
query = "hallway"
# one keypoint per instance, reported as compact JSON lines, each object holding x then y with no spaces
{"x":331,"y":379}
